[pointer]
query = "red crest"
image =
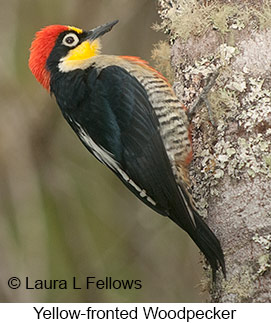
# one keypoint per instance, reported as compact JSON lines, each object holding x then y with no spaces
{"x":40,"y":50}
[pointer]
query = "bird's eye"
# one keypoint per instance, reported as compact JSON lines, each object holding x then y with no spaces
{"x":70,"y":40}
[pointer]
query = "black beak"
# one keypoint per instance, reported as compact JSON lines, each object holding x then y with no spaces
{"x":101,"y":30}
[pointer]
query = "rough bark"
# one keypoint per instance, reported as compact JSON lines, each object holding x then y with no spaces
{"x":231,"y":168}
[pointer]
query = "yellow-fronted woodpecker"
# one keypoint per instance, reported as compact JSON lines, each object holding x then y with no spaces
{"x":127,"y":115}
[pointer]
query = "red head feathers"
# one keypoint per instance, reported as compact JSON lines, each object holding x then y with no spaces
{"x":40,"y":50}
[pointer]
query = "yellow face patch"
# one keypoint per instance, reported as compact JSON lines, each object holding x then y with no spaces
{"x":84,"y":51}
{"x":79,"y":57}
{"x":78,"y":30}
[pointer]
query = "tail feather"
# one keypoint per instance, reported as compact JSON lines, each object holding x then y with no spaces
{"x":207,"y":242}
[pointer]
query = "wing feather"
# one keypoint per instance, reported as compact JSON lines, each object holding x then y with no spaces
{"x":112,"y":115}
{"x":119,"y":119}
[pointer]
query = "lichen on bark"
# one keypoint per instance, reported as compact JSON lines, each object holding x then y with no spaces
{"x":231,"y":167}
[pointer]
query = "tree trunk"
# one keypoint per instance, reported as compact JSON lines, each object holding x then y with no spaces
{"x":231,"y":168}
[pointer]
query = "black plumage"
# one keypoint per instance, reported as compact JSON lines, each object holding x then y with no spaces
{"x":113,"y":109}
{"x":127,"y":115}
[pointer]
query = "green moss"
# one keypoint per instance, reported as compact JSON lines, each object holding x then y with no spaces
{"x":235,"y":96}
{"x":264,"y":261}
{"x":190,"y":18}
{"x":240,"y":285}
{"x":263,"y":16}
{"x":267,"y":160}
{"x":161,"y":58}
{"x":229,"y":17}
{"x":264,"y":264}
{"x":222,"y":100}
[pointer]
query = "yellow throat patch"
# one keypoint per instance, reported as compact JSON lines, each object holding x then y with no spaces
{"x":84,"y":51}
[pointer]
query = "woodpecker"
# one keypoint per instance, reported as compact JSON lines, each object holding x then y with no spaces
{"x":127,"y":115}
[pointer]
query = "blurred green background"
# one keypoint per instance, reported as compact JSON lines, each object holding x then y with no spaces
{"x":62,"y":213}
